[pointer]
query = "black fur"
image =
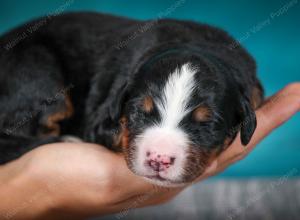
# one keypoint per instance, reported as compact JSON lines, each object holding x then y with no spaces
{"x":109,"y":64}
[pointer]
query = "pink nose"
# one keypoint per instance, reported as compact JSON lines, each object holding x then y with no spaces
{"x":159,"y":162}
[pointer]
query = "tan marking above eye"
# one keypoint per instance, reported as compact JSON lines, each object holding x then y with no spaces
{"x":148,"y":104}
{"x":202,"y":113}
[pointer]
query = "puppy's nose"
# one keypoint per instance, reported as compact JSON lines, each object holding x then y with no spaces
{"x":159,"y":162}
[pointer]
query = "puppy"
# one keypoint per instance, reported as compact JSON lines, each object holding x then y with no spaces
{"x":171,"y":95}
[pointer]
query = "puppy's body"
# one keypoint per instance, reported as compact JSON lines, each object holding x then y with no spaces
{"x":84,"y":74}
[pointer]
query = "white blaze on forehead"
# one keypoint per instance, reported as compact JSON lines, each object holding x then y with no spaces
{"x":172,"y":104}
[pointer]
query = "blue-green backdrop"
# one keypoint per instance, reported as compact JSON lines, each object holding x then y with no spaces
{"x":270,"y":30}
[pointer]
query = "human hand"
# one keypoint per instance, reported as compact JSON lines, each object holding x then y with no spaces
{"x":78,"y":180}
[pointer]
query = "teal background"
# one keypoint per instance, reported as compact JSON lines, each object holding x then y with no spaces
{"x":275,"y":47}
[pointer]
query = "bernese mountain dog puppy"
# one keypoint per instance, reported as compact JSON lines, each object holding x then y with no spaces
{"x":171,"y":95}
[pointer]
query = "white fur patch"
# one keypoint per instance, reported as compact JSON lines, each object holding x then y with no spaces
{"x":176,"y":95}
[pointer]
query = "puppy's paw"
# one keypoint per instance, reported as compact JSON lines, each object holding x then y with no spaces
{"x":71,"y":139}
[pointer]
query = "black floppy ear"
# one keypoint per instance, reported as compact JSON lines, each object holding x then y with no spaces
{"x":248,"y":120}
{"x":116,"y":102}
{"x":104,"y":123}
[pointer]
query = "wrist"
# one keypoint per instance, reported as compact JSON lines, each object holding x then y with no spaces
{"x":23,"y":196}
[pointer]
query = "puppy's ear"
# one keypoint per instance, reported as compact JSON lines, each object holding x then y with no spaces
{"x":116,"y":102}
{"x":247,"y":120}
{"x":105,"y":123}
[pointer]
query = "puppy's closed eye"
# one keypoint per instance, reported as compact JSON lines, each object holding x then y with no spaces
{"x":202,"y":114}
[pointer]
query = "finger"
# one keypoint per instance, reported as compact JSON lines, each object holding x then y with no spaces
{"x":276,"y":110}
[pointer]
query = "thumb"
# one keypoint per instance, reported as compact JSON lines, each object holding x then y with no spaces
{"x":277,"y":109}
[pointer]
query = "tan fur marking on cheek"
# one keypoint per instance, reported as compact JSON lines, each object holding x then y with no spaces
{"x":148,"y":104}
{"x":202,"y":113}
{"x":197,"y":162}
{"x":121,"y":140}
{"x":125,"y":139}
{"x":211,"y":156}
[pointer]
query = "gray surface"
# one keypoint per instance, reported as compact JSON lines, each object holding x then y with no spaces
{"x":228,"y":199}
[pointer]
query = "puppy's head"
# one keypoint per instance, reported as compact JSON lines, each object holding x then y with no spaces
{"x":177,"y":116}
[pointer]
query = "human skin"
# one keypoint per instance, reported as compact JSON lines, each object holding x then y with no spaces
{"x":80,"y":180}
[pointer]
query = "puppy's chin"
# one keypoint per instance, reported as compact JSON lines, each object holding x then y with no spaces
{"x":164,"y":183}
